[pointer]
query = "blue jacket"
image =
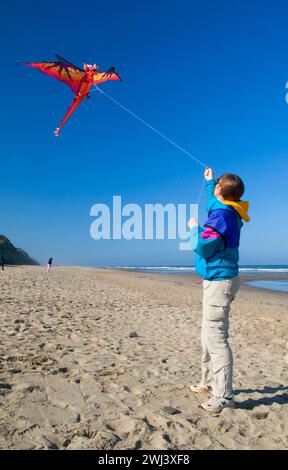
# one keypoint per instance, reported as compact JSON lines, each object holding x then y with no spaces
{"x":216,"y":244}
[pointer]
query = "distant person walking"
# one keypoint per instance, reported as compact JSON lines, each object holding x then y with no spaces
{"x":49,"y":265}
{"x":2,"y":262}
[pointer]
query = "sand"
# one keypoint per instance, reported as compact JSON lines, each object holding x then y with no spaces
{"x":100,"y":359}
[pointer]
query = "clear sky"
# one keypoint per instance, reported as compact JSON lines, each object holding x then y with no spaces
{"x":210,"y":74}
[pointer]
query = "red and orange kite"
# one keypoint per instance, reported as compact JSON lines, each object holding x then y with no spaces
{"x":77,"y":79}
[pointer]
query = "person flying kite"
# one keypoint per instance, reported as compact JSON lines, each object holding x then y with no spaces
{"x":77,"y":79}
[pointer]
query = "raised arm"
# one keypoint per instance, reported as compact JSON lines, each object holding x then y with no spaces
{"x":210,"y":186}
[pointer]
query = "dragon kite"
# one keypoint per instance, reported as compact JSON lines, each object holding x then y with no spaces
{"x":77,"y":79}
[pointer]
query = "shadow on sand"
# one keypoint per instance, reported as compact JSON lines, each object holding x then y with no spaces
{"x":251,"y":403}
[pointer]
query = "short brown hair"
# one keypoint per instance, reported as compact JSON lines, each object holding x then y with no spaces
{"x":232,"y":187}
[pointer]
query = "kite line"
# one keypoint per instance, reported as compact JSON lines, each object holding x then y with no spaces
{"x":149,"y":125}
{"x":201,"y":191}
{"x":157,"y":132}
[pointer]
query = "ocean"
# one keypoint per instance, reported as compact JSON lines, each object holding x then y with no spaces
{"x":245,"y":270}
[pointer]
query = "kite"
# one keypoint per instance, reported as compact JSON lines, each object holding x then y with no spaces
{"x":77,"y":79}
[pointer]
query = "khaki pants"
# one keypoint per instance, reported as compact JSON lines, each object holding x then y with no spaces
{"x":217,"y":359}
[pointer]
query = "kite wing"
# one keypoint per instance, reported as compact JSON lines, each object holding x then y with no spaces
{"x":102,"y":77}
{"x":62,"y":70}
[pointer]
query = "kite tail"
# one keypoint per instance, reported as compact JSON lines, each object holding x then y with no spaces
{"x":75,"y":103}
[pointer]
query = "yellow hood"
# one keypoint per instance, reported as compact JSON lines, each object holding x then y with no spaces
{"x":241,"y":207}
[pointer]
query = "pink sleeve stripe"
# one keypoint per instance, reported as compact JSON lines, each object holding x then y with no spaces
{"x":209,"y":233}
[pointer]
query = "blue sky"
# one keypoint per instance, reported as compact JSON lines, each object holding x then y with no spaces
{"x":210,"y":74}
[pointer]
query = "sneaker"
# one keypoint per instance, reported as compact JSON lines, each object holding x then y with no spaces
{"x":217,"y":404}
{"x":200,"y":388}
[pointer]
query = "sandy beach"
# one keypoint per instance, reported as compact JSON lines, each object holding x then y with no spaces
{"x":103,"y":359}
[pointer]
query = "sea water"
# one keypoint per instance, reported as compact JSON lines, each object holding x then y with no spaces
{"x":245,"y":270}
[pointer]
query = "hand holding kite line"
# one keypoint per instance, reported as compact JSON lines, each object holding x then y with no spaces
{"x":77,"y":79}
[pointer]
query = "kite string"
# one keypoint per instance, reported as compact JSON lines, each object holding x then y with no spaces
{"x":201,"y":191}
{"x":151,"y":127}
{"x":157,"y":132}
